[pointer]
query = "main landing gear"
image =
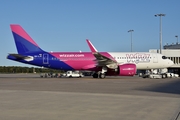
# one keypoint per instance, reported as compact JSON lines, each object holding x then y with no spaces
{"x":100,"y":74}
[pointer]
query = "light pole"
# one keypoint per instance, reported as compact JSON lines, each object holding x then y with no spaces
{"x":131,"y":37}
{"x":160,"y":33}
{"x":177,"y":38}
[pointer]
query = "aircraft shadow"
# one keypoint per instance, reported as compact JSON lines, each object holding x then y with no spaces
{"x":172,"y":87}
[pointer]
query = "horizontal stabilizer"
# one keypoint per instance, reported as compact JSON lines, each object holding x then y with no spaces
{"x":18,"y":56}
{"x":21,"y":57}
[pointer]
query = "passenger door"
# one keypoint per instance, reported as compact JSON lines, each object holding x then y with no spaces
{"x":155,"y":58}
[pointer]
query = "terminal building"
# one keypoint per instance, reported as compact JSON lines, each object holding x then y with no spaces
{"x":172,"y":52}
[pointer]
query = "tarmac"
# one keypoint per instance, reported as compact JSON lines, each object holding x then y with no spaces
{"x":29,"y":97}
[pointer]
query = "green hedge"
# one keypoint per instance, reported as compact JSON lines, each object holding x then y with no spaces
{"x":19,"y":69}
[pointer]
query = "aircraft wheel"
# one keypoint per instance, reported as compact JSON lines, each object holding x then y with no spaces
{"x":102,"y":75}
{"x":163,"y":76}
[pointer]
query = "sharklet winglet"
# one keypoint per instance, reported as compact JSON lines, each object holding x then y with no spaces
{"x":93,"y":49}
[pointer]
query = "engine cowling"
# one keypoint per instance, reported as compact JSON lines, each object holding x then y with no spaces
{"x":127,"y":69}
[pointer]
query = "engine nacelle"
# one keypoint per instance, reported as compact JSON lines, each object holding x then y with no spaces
{"x":127,"y":69}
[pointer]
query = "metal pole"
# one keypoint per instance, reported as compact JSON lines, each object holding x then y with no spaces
{"x":177,"y":38}
{"x":131,"y":40}
{"x":160,"y":33}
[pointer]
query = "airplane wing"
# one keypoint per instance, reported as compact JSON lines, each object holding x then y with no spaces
{"x":101,"y":59}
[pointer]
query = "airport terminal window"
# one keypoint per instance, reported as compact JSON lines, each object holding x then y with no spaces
{"x":172,"y":59}
{"x":176,"y":60}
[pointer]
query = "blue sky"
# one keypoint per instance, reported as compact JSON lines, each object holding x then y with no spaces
{"x":64,"y":25}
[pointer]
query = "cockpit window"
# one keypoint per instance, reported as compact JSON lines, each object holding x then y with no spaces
{"x":164,"y":57}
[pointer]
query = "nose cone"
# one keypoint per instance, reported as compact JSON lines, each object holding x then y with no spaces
{"x":170,"y":63}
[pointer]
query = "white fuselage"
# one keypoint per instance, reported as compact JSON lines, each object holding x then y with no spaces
{"x":143,"y":60}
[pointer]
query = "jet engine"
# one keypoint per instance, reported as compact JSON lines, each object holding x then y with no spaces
{"x":123,"y":70}
{"x":127,"y":69}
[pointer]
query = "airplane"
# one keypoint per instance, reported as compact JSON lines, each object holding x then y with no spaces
{"x":102,"y":63}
